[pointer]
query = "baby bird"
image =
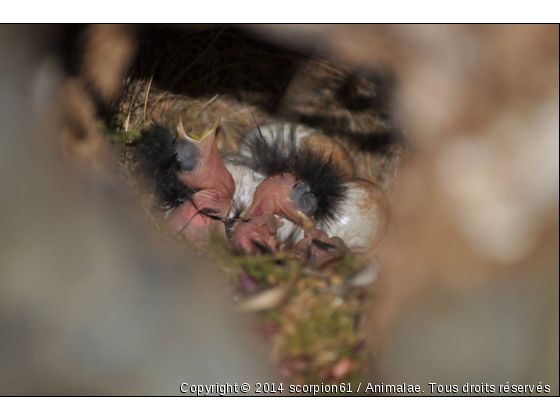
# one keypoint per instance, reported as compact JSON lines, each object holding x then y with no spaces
{"x":189,"y":179}
{"x":295,"y":174}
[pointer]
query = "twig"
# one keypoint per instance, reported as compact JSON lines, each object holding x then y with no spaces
{"x":146,"y":100}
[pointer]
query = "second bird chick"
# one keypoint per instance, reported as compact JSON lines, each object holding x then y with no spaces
{"x":306,"y":179}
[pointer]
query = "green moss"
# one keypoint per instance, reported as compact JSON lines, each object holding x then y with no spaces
{"x":349,"y":265}
{"x":326,"y":328}
{"x":263,"y":268}
{"x":121,"y":139}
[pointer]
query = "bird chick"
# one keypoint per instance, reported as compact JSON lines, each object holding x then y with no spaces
{"x":189,"y":178}
{"x":297,"y":181}
{"x":305,"y":179}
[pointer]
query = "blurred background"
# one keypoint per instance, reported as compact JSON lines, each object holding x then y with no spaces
{"x":93,"y":302}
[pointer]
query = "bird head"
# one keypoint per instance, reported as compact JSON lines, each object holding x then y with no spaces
{"x":200,"y":168}
{"x":281,"y":196}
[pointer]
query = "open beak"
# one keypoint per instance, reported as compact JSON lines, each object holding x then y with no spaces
{"x":209,"y":134}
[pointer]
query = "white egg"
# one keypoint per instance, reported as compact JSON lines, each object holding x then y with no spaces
{"x":363,"y":217}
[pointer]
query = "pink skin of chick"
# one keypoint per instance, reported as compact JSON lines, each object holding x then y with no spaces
{"x":273,"y":197}
{"x":215,"y":187}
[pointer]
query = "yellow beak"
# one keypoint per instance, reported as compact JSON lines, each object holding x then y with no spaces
{"x":193,"y":137}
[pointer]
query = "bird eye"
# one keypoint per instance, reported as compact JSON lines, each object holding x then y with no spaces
{"x":304,"y":199}
{"x":186,"y":155}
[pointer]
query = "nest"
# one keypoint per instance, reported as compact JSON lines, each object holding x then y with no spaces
{"x":311,"y":320}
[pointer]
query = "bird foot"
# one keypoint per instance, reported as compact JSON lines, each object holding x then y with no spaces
{"x":257,"y":236}
{"x":316,"y":246}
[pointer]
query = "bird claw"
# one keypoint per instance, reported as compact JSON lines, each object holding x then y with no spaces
{"x":257,"y":235}
{"x":316,"y":246}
